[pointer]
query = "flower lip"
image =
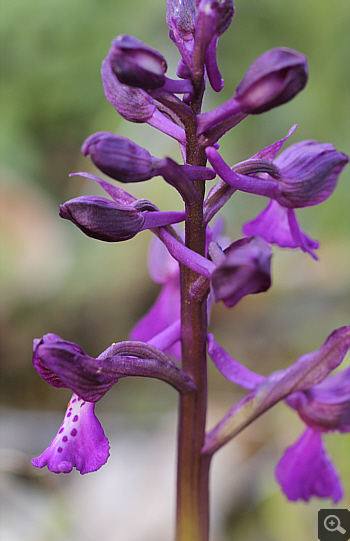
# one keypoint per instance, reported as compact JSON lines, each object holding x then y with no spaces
{"x":273,"y":79}
{"x":80,"y":442}
{"x":136,"y":64}
{"x":306,"y":470}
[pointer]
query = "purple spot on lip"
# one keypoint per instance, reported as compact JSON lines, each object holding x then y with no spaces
{"x":82,"y":404}
{"x":74,"y":400}
{"x":69,"y":414}
{"x":75,"y":418}
{"x":61,"y":430}
{"x":59,"y":450}
{"x":64,"y":438}
{"x":74,"y":432}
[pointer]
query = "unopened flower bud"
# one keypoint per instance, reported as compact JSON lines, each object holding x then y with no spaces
{"x":103,"y":219}
{"x":119,"y":157}
{"x":273,"y":79}
{"x":136,"y":64}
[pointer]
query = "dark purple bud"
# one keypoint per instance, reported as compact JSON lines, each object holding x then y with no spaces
{"x":244,"y":269}
{"x":137,"y":64}
{"x":273,"y":79}
{"x":120,"y":158}
{"x":103,"y":219}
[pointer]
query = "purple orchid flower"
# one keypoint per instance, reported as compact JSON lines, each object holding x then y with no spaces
{"x":305,"y":174}
{"x":242,"y":269}
{"x":322,"y":402}
{"x":80,"y":442}
{"x":305,"y":468}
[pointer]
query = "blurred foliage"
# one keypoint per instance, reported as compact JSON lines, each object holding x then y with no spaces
{"x":53,"y":279}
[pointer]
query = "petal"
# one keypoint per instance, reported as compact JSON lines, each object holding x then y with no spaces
{"x":270,"y":152}
{"x":306,"y":470}
{"x":278,"y":225}
{"x":80,"y":442}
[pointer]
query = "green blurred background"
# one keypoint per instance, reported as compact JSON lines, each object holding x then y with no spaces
{"x":54,"y":279}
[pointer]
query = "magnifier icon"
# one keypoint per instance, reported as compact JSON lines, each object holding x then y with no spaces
{"x":332,"y":524}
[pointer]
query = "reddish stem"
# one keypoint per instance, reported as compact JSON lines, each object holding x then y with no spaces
{"x":193,"y":468}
